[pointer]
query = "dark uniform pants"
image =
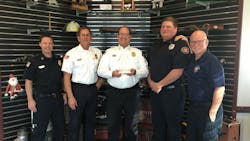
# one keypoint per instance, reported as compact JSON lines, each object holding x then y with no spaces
{"x":200,"y":127}
{"x":123,"y":102}
{"x":86,"y":96}
{"x":48,"y":108}
{"x":167,"y":109}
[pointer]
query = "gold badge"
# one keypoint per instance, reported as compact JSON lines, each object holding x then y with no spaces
{"x":171,"y":46}
{"x":133,"y":54}
{"x":28,"y":64}
{"x":185,"y":50}
{"x":79,"y":59}
{"x":114,"y":55}
{"x":59,"y":62}
{"x":66,"y":57}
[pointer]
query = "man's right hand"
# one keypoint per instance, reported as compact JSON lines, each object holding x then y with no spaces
{"x":72,"y":103}
{"x":116,"y":73}
{"x":32,"y":105}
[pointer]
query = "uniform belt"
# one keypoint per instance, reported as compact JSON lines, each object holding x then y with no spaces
{"x":79,"y":84}
{"x":134,"y":87}
{"x":42,"y":95}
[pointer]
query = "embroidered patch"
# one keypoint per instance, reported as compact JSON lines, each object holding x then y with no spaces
{"x":114,"y":55}
{"x":196,"y":68}
{"x":96,"y":57}
{"x":59,"y":62}
{"x":79,"y":59}
{"x":66,"y":57}
{"x":185,"y":50}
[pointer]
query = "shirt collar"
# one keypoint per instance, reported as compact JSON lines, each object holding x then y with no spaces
{"x":79,"y":47}
{"x":126,"y":48}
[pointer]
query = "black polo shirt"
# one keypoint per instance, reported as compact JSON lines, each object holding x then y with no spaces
{"x":165,"y":56}
{"x":45,"y":73}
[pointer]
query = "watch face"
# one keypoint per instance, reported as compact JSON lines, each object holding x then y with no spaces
{"x":171,"y":46}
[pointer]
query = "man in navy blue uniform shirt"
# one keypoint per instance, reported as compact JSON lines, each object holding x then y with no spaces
{"x":167,"y":61}
{"x":47,"y":103}
{"x":206,"y":86}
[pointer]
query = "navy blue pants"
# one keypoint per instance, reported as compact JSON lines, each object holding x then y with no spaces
{"x":123,"y":102}
{"x":49,"y":108}
{"x":86,"y":96}
{"x":200,"y":127}
{"x":167,"y":109}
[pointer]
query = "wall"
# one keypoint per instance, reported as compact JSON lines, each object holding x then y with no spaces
{"x":244,"y":77}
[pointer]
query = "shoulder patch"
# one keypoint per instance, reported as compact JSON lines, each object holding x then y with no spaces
{"x":185,"y":50}
{"x":133,"y":54}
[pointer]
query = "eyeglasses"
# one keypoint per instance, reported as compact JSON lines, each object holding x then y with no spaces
{"x":197,"y":41}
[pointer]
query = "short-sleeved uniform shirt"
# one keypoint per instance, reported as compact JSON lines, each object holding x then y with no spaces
{"x":204,"y":75}
{"x":45,"y":73}
{"x":82,"y":64}
{"x":166,"y":56}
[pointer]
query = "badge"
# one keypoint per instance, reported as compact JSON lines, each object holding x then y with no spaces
{"x":185,"y":50}
{"x":28,"y":64}
{"x":66,"y":57}
{"x":41,"y":67}
{"x":96,"y":57}
{"x":171,"y":46}
{"x":79,"y":59}
{"x":114,"y":55}
{"x":133,"y":54}
{"x":59,"y":62}
{"x":196,"y":68}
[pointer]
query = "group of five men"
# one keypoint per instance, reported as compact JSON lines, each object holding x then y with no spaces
{"x":123,"y":66}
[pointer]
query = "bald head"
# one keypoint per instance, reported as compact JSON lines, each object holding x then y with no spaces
{"x":198,"y":43}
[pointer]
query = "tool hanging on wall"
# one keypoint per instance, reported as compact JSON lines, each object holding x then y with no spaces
{"x":79,"y":5}
{"x":128,"y":5}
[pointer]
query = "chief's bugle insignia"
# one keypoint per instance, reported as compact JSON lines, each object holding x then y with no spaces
{"x":96,"y":57}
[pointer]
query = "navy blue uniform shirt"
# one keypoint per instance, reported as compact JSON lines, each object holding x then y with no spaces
{"x":203,"y":76}
{"x":165,"y":56}
{"x":45,"y":73}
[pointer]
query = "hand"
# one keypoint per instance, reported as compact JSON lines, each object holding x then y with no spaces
{"x":32,"y":105}
{"x":72,"y":103}
{"x":181,"y":37}
{"x":212,"y":115}
{"x":116,"y":73}
{"x":132,"y":72}
{"x":155,"y":87}
{"x":64,"y":99}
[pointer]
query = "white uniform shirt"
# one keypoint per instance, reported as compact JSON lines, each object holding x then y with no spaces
{"x":82,"y":64}
{"x":123,"y":59}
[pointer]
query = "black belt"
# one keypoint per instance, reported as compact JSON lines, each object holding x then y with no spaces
{"x":43,"y":95}
{"x":87,"y":85}
{"x":134,"y":87}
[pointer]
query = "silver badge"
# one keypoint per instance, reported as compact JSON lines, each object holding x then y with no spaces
{"x":171,"y":46}
{"x":196,"y":68}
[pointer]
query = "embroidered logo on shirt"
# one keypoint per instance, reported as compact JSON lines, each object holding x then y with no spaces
{"x":66,"y":57}
{"x":28,"y":64}
{"x":171,"y":46}
{"x":133,"y":54}
{"x":114,"y":55}
{"x":196,"y":68}
{"x":79,"y":59}
{"x":185,"y":50}
{"x":41,"y":67}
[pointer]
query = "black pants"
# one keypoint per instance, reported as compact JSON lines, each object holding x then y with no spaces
{"x":167,"y":109}
{"x":123,"y":102}
{"x":200,"y":127}
{"x":86,"y":97}
{"x":48,"y":108}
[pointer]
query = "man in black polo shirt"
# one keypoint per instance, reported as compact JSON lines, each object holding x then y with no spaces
{"x":46,"y":102}
{"x":167,"y":61}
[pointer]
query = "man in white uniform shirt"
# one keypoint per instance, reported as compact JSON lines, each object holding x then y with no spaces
{"x":81,"y":83}
{"x":123,"y":66}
